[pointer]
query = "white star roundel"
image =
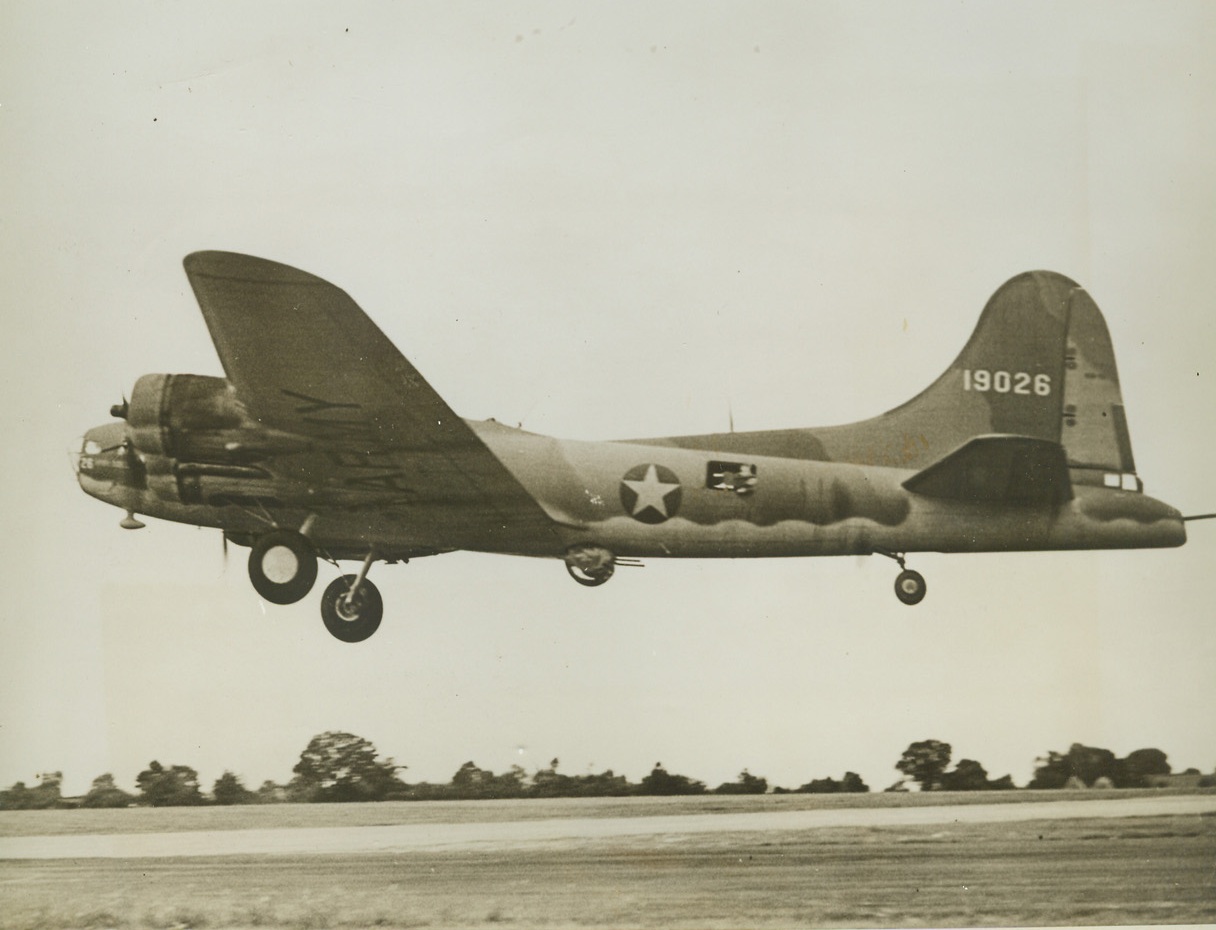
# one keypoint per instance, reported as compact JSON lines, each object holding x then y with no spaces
{"x":650,"y":493}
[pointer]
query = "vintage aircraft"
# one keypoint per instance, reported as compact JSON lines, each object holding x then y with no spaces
{"x":323,"y":441}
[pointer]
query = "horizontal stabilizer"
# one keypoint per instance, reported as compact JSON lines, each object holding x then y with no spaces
{"x":998,"y":469}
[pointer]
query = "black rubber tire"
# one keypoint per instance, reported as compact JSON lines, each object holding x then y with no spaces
{"x":359,"y":620}
{"x":591,"y":580}
{"x":910,"y":587}
{"x":298,"y":585}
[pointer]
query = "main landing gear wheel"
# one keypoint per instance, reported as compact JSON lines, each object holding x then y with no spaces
{"x":282,"y":566}
{"x":590,"y":565}
{"x":351,"y":613}
{"x":910,"y":587}
{"x":591,"y":577}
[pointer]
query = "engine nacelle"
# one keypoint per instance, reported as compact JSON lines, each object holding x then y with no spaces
{"x":197,"y":418}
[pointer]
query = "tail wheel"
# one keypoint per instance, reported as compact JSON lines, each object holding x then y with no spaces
{"x":910,"y":587}
{"x":351,"y":614}
{"x":282,"y":566}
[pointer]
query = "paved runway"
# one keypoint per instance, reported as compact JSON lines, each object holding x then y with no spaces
{"x":537,"y":833}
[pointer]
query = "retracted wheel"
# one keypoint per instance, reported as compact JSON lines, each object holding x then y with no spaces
{"x":351,"y":610}
{"x":282,"y":566}
{"x":591,"y":577}
{"x":910,"y":587}
{"x":590,"y":565}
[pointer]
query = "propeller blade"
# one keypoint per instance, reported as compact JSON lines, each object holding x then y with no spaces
{"x":121,"y":410}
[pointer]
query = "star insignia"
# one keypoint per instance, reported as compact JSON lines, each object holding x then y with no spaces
{"x":650,"y":493}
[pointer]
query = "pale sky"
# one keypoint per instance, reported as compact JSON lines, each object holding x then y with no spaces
{"x":605,"y":220}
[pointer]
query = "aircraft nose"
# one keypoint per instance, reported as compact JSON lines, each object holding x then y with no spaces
{"x":102,"y":439}
{"x":98,"y":463}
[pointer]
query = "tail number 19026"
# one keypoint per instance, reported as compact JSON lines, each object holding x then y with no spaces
{"x":1006,"y":382}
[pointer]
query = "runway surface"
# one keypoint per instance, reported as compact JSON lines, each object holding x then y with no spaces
{"x":537,"y":834}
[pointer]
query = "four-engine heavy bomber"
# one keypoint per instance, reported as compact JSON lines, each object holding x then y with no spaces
{"x":324,"y":442}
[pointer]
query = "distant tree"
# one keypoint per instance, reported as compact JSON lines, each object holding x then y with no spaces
{"x":549,"y":783}
{"x":270,"y":793}
{"x":338,"y":766}
{"x":1089,"y":763}
{"x":176,"y":786}
{"x":229,"y":789}
{"x":820,"y":786}
{"x":745,"y":784}
{"x":968,"y":775}
{"x":104,"y":793}
{"x":604,"y":785}
{"x":852,"y":784}
{"x":15,"y":798}
{"x":45,"y":795}
{"x":661,"y":782}
{"x":1134,"y":770}
{"x":924,"y":762}
{"x":1004,"y":783}
{"x":472,"y":780}
{"x":1051,"y":771}
{"x":478,"y":783}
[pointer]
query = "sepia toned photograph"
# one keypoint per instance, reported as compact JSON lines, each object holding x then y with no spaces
{"x":611,"y":465}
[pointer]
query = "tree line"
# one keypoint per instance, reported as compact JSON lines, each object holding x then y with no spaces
{"x":339,"y":767}
{"x":926,"y":763}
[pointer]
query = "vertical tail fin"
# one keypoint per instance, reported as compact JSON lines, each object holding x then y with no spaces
{"x":1039,"y":364}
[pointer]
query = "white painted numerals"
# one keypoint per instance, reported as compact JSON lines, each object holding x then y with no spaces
{"x":1006,"y":382}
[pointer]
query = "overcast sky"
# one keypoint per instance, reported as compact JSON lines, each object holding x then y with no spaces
{"x":605,"y":220}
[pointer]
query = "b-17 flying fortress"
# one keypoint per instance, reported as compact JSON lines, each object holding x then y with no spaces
{"x":324,"y":443}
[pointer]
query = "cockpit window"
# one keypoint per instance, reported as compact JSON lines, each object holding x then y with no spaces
{"x":91,"y":447}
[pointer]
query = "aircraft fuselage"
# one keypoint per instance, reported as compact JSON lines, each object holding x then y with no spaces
{"x":658,"y":501}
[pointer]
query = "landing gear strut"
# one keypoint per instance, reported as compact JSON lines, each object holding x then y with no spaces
{"x":351,"y":606}
{"x":909,"y":585}
{"x":282,"y":566}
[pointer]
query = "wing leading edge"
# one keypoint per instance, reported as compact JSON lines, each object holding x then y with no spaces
{"x":305,"y":359}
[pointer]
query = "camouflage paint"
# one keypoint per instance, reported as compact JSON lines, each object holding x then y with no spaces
{"x":1038,"y":366}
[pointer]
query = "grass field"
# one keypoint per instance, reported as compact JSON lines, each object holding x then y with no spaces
{"x":1131,"y":870}
{"x":269,"y":816}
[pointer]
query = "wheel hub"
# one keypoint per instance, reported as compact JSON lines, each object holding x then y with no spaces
{"x":280,"y":564}
{"x":348,"y":608}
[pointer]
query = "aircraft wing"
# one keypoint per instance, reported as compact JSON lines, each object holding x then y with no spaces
{"x":999,"y":469}
{"x":306,"y":360}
